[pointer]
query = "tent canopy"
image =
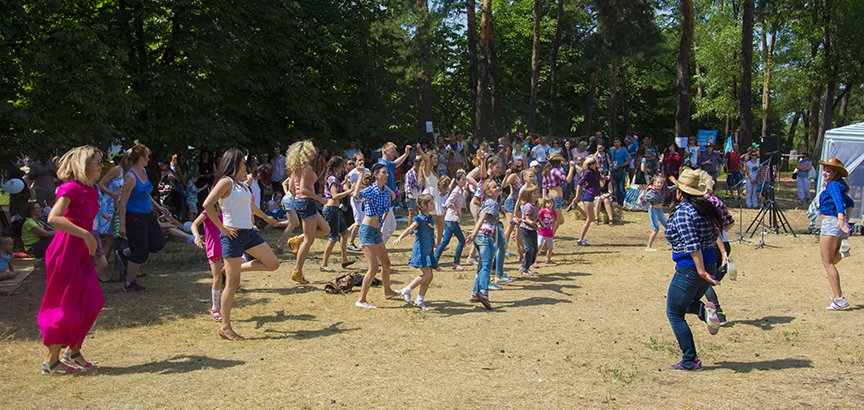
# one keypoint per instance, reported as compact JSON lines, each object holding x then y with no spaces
{"x":847,"y":144}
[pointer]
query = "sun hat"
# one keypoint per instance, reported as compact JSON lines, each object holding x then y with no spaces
{"x":556,"y":157}
{"x":707,"y":180}
{"x":533,"y":164}
{"x":691,"y":182}
{"x":835,"y":163}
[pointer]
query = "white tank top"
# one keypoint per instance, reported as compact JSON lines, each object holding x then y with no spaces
{"x":237,"y":207}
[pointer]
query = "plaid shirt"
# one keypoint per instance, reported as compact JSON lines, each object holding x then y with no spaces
{"x":687,"y":231}
{"x":376,"y":202}
{"x":412,"y":185}
{"x":331,"y":180}
{"x":728,"y":220}
{"x":555,"y":179}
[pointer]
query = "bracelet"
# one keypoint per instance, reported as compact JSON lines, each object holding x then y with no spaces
{"x":703,"y":275}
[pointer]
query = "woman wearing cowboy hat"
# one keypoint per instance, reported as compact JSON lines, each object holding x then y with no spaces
{"x":834,"y":205}
{"x":692,"y":231}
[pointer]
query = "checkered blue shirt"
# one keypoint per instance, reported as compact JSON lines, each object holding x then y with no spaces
{"x":687,"y":231}
{"x":376,"y":202}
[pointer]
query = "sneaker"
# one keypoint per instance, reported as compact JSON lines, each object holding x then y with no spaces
{"x":845,"y":249}
{"x":471,"y":261}
{"x":536,"y":265}
{"x":133,"y":287}
{"x":458,"y":268}
{"x":406,"y":294}
{"x":365,"y":305}
{"x":697,"y":365}
{"x":505,"y":279}
{"x":582,"y":243}
{"x":422,"y":305}
{"x":484,"y":300}
{"x":494,"y":286}
{"x":352,"y":247}
{"x":294,"y":243}
{"x":722,"y":316}
{"x":217,"y":316}
{"x":650,"y":250}
{"x":711,"y":319}
{"x":838,"y":304}
{"x":297,"y":276}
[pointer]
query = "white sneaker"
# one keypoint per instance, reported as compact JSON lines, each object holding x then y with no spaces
{"x":406,"y":294}
{"x":838,"y":304}
{"x":422,"y":305}
{"x":365,"y":305}
{"x":471,"y":261}
{"x":845,"y":249}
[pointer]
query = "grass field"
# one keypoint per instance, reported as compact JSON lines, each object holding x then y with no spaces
{"x":588,"y":332}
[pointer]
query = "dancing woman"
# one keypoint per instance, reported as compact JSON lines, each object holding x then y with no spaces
{"x":299,"y":159}
{"x":692,"y":231}
{"x":236,"y":234}
{"x":588,"y":189}
{"x":834,"y":205}
{"x":73,"y":298}
{"x":376,"y":200}
{"x":427,"y":175}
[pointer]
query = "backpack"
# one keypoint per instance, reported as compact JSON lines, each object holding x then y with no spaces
{"x":340,"y":284}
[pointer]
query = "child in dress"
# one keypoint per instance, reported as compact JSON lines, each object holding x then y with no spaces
{"x":7,"y":271}
{"x":528,"y":226}
{"x":453,"y":214}
{"x":654,"y":197}
{"x":548,"y":215}
{"x":213,"y":246}
{"x":423,"y":253}
{"x":73,"y":298}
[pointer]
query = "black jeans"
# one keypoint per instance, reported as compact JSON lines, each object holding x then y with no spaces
{"x":144,"y":236}
{"x":529,"y":242}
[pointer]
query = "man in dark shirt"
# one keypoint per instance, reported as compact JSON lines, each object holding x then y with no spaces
{"x":710,"y":161}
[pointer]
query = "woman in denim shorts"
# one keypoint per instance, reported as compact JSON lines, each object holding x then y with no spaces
{"x":299,"y":159}
{"x":375,"y":200}
{"x":237,"y":237}
{"x":834,"y":205}
{"x":334,"y":192}
{"x":290,"y":208}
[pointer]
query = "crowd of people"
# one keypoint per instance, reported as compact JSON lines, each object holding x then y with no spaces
{"x":516,"y":192}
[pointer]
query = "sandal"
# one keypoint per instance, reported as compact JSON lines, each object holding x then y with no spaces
{"x":53,"y":370}
{"x":231,"y":335}
{"x":69,"y":360}
{"x":217,"y":315}
{"x":326,"y":269}
{"x":347,"y":264}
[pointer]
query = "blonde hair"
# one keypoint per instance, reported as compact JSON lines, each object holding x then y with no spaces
{"x":489,"y":183}
{"x":526,"y":195}
{"x":299,"y":154}
{"x":73,"y":164}
{"x":421,"y":176}
{"x":424,"y":200}
{"x":132,"y":155}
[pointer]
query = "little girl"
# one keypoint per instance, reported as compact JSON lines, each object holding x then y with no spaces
{"x":654,"y":197}
{"x":213,"y":246}
{"x":548,"y":216}
{"x":454,"y":204}
{"x":528,"y":226}
{"x":484,"y":235}
{"x":7,"y":271}
{"x":73,"y":298}
{"x":423,"y":253}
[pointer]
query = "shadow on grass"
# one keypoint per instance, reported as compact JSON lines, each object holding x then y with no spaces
{"x":334,"y":329}
{"x":277,"y":317}
{"x":282,"y":291}
{"x":451,"y":308}
{"x":551,"y":277}
{"x":550,"y":287}
{"x":174,"y":365}
{"x":747,"y":367}
{"x":766,"y":323}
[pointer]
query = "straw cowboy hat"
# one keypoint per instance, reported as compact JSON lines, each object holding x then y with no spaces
{"x":838,"y":165}
{"x":707,"y":180}
{"x":691,"y":182}
{"x":556,"y":157}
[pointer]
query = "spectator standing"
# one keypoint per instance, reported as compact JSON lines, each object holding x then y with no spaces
{"x":710,"y":161}
{"x":733,"y":170}
{"x":42,"y":173}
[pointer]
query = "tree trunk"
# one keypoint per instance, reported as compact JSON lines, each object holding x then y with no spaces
{"x":844,"y":106}
{"x":590,"y":100}
{"x":805,"y":125}
{"x":497,"y":101}
{"x":613,"y":97}
{"x":625,"y":102}
{"x":831,"y":82}
{"x":471,"y":9}
{"x":535,"y":68}
{"x":682,"y":74}
{"x":553,"y":67}
{"x":483,"y":72}
{"x":815,"y":102}
{"x":767,"y":56}
{"x":728,"y":125}
{"x":790,"y":136}
{"x":425,"y":81}
{"x":746,"y":94}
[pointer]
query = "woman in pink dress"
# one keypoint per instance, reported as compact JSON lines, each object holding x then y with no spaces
{"x":73,"y":298}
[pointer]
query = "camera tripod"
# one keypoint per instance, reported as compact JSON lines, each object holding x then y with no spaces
{"x":776,"y":219}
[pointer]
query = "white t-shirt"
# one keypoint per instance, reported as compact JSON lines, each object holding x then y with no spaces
{"x":352,"y":179}
{"x":752,"y":169}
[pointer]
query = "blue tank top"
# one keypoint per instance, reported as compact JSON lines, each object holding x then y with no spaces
{"x":139,"y":199}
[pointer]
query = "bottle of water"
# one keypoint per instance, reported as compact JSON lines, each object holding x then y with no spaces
{"x":731,"y":270}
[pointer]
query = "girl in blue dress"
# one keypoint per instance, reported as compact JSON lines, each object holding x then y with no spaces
{"x":423,"y":253}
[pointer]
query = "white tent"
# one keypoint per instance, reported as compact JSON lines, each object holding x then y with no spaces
{"x":847,"y":144}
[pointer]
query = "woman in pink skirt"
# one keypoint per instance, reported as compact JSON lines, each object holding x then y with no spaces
{"x":73,"y":298}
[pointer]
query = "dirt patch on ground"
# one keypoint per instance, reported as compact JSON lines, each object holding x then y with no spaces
{"x":590,"y":331}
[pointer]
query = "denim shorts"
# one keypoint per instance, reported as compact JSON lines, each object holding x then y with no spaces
{"x":509,"y":205}
{"x":410,"y":203}
{"x":369,"y":235}
{"x":334,"y":218}
{"x":558,"y":203}
{"x":830,"y":228}
{"x":306,"y":208}
{"x":289,"y":203}
{"x":234,"y":248}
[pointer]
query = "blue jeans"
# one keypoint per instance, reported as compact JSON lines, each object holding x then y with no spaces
{"x":529,"y":241}
{"x":485,"y":249}
{"x":451,"y":229}
{"x":657,"y":218}
{"x":501,"y":251}
{"x":620,"y":190}
{"x":683,"y":296}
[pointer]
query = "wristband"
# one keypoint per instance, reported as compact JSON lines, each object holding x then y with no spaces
{"x":703,"y":275}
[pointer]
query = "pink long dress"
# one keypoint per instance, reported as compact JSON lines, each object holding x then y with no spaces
{"x":73,"y":298}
